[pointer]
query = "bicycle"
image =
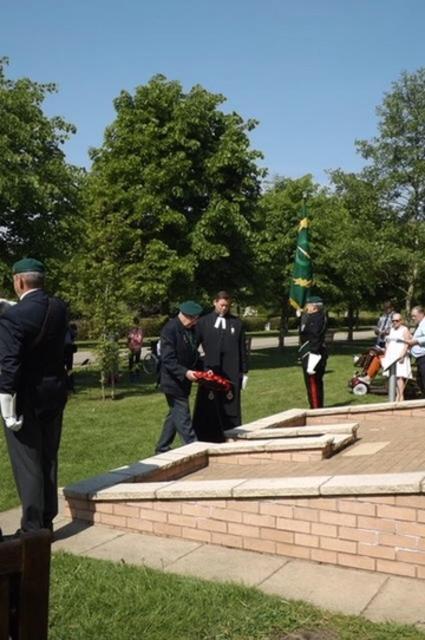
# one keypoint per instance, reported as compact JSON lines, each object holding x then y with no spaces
{"x":150,"y":361}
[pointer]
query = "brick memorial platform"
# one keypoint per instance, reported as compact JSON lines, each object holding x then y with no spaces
{"x":343,"y":486}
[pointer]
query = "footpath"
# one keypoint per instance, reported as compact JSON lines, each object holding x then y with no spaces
{"x":263,"y":342}
{"x":377,"y":597}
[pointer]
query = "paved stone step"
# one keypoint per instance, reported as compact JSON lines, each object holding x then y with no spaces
{"x":291,"y":432}
{"x":341,"y":441}
{"x":274,"y":444}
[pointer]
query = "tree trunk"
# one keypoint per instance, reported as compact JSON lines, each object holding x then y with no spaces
{"x":102,"y":384}
{"x":356,"y":318}
{"x":350,"y":322}
{"x":283,"y":324}
{"x":411,"y":290}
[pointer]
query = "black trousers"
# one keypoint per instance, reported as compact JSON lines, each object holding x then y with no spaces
{"x":420,"y":374}
{"x":133,"y":359}
{"x":314,"y":383}
{"x":178,"y":420}
{"x":33,"y":453}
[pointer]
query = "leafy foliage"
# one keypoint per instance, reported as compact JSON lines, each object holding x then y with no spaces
{"x":397,"y":168}
{"x":176,"y":183}
{"x":39,"y":191}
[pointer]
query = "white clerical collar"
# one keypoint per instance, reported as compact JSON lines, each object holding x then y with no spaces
{"x":27,"y":292}
{"x":220,"y":322}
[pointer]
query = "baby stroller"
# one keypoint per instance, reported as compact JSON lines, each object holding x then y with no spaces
{"x":370,"y":363}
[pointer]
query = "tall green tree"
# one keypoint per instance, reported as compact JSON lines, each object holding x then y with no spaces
{"x":39,"y":190}
{"x":277,"y":219}
{"x":177,"y":179}
{"x":348,"y":258}
{"x":397,"y":166}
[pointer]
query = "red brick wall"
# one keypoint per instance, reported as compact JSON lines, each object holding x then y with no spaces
{"x":378,"y":533}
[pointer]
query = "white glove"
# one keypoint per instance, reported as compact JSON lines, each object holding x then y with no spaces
{"x":313,"y":359}
{"x":8,"y":411}
{"x":14,"y":424}
{"x":244,"y":382}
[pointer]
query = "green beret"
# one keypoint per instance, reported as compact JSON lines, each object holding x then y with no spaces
{"x":27,"y":265}
{"x":314,"y":300}
{"x":190,"y":308}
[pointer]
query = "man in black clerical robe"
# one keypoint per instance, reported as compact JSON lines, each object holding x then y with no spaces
{"x":222,"y":338}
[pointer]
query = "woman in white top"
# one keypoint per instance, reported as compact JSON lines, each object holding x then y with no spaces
{"x":401,"y":333}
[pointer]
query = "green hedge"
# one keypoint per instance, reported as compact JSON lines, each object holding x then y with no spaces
{"x":152,"y":326}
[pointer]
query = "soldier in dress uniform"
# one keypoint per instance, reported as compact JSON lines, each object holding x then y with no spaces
{"x":222,"y":338}
{"x":313,"y":353}
{"x":33,"y":391}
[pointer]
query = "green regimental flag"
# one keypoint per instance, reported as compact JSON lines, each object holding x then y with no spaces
{"x":302,"y":273}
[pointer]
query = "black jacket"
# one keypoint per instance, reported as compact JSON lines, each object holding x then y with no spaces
{"x":35,"y":370}
{"x":178,"y":354}
{"x":313,"y":333}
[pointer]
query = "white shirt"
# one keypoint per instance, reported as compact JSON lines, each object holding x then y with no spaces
{"x":21,"y":297}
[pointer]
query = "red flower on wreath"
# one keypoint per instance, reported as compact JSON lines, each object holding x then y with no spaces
{"x":213,"y":381}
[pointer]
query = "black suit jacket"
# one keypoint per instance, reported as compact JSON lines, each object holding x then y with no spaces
{"x":34,"y":371}
{"x":178,"y":354}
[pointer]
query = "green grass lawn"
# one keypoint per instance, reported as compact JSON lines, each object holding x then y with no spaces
{"x":100,"y":435}
{"x":93,"y":599}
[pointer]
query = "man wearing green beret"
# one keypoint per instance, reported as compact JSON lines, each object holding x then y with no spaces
{"x":33,"y":391}
{"x":313,"y":353}
{"x":179,"y":357}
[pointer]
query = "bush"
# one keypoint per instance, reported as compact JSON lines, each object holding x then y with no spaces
{"x":152,"y":326}
{"x":258,"y":323}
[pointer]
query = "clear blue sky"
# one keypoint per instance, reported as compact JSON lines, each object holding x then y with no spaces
{"x":311,"y":71}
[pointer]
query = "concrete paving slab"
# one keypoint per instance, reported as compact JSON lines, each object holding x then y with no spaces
{"x":77,"y":537}
{"x":187,"y":489}
{"x":265,"y":487}
{"x":141,"y":549}
{"x":374,"y":483}
{"x":400,"y":600}
{"x":10,"y":520}
{"x":86,"y":488}
{"x":366,"y":449}
{"x":131,"y":491}
{"x":342,"y":590}
{"x":228,"y":565}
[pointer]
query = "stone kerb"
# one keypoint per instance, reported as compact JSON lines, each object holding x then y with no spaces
{"x":365,"y":411}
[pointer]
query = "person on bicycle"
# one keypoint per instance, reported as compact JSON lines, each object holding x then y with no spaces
{"x":134,"y":343}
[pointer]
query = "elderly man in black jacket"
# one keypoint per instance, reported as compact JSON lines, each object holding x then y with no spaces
{"x":179,"y":355}
{"x":33,"y":391}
